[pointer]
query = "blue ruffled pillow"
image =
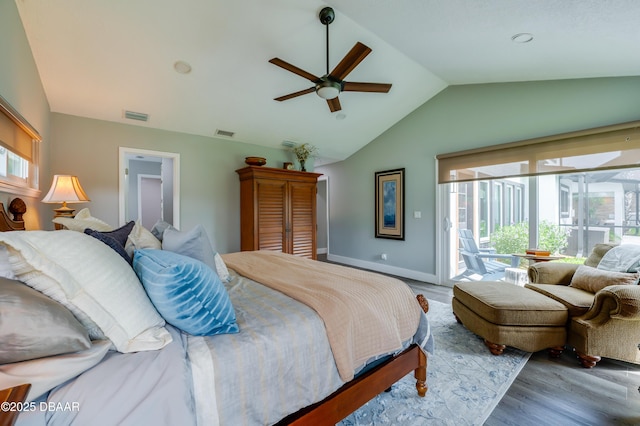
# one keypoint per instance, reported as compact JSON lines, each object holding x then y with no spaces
{"x":186,"y":292}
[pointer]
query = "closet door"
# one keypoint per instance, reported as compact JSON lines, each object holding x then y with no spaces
{"x":271,"y":214}
{"x":302,"y":219}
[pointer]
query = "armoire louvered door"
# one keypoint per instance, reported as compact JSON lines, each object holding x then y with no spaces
{"x":278,"y":210}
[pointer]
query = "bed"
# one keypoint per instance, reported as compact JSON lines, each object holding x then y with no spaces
{"x":299,"y":341}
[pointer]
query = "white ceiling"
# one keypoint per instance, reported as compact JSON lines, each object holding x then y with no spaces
{"x":97,"y":58}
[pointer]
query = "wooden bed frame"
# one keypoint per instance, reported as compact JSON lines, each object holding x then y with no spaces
{"x":359,"y":391}
{"x":341,"y":403}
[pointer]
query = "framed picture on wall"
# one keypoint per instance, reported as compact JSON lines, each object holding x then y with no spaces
{"x":390,"y":204}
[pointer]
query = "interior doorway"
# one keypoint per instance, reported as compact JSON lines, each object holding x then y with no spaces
{"x":322,"y":216}
{"x":162,"y":197}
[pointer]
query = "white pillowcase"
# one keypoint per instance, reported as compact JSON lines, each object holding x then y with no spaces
{"x":82,"y":221}
{"x":141,"y":238}
{"x":92,"y":281}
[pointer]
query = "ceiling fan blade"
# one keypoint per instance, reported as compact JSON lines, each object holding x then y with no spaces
{"x":350,"y":61}
{"x":295,"y":94}
{"x":334,"y":104}
{"x":366,"y":87}
{"x":292,"y":68}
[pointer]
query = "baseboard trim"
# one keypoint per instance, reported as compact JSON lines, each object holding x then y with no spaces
{"x":386,"y":269}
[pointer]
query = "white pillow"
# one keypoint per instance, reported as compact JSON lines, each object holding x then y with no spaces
{"x":221,"y":268}
{"x":5,"y":266}
{"x":141,"y":238}
{"x":92,"y":281}
{"x":82,"y":221}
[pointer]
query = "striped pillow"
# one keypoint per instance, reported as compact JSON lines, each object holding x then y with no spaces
{"x":186,"y":292}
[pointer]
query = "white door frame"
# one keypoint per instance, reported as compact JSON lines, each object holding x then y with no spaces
{"x":325,"y":178}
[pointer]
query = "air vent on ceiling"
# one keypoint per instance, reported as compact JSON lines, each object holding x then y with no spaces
{"x":289,"y":144}
{"x":225,"y":133}
{"x":140,"y":116}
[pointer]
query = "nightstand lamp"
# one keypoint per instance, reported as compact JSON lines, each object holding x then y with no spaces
{"x":65,"y":189}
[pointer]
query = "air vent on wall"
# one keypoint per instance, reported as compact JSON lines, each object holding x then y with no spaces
{"x":225,"y":133}
{"x":140,"y":116}
{"x":289,"y":144}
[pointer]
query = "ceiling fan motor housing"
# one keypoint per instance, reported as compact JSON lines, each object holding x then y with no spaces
{"x":327,"y":15}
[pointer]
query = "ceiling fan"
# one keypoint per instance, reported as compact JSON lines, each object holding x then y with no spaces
{"x":332,"y":83}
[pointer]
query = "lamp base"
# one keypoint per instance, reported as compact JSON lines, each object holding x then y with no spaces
{"x":64,"y":211}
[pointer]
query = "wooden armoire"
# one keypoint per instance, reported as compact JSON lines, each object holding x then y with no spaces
{"x":278,"y":210}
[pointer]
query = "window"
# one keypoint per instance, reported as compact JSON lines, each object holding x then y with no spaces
{"x":19,"y":153}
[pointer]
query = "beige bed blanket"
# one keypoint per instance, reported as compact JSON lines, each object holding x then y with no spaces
{"x":365,"y":314}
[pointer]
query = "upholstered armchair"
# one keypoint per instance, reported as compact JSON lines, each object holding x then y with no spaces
{"x":604,"y":323}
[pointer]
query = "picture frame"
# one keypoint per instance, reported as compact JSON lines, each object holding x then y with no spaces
{"x":389,"y":195}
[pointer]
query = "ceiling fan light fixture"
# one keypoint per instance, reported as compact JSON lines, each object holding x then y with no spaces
{"x":328,"y":89}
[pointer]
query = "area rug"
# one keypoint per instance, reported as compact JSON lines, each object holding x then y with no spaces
{"x":465,"y":381}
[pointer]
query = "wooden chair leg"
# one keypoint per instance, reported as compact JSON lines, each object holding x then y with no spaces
{"x":556,"y":351}
{"x":495,"y":348}
{"x":588,"y":361}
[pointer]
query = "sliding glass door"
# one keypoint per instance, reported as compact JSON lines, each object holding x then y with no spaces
{"x":566,"y":214}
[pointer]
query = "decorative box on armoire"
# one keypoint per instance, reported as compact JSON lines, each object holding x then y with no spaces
{"x":278,"y":210}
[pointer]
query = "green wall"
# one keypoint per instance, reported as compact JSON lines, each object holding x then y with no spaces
{"x":209,"y":186}
{"x":458,"y":118}
{"x":20,"y":85}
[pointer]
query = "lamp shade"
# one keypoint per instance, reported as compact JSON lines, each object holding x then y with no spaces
{"x":65,"y":189}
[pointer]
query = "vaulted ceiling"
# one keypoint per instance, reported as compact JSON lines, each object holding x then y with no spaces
{"x":100,"y":58}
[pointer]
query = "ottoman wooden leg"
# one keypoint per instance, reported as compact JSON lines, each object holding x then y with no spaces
{"x":495,"y":348}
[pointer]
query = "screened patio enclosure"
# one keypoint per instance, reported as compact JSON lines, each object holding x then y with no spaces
{"x":563,"y":194}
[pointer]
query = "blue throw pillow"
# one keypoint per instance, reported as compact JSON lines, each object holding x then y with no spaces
{"x":186,"y":292}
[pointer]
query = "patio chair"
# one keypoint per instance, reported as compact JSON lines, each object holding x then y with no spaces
{"x":481,"y":263}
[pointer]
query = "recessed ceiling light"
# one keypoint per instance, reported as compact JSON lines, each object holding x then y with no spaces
{"x":341,"y":116}
{"x":522,"y":38}
{"x":182,"y":67}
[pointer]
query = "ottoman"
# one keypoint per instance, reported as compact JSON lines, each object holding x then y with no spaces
{"x":508,"y":315}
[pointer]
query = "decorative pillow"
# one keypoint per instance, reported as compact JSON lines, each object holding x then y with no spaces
{"x":115,"y":239}
{"x":593,"y":279}
{"x":35,"y":326}
{"x":5,"y":266}
{"x":187,"y":293}
{"x":158,"y":229}
{"x":598,"y":251}
{"x":194,"y":243}
{"x":221,"y":268}
{"x":90,"y":280}
{"x":623,"y":258}
{"x":141,"y":238}
{"x":82,"y":221}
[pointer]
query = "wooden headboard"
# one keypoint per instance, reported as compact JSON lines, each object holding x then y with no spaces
{"x":17,"y":208}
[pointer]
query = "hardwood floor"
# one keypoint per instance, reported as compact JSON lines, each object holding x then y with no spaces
{"x":561,"y":392}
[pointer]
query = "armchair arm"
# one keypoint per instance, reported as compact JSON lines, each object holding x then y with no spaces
{"x":616,"y":302}
{"x":551,"y":272}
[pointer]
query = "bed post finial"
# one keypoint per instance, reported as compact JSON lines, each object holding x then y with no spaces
{"x":17,"y":208}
